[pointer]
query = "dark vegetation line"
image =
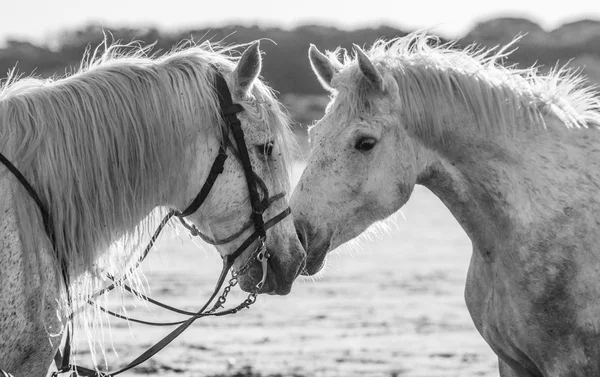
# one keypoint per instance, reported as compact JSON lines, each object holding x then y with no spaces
{"x":286,"y":67}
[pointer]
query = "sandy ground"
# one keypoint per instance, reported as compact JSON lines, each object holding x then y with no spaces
{"x":392,"y":306}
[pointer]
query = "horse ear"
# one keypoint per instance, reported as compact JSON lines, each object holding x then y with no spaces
{"x":369,"y":70}
{"x":321,"y":66}
{"x":248,"y":68}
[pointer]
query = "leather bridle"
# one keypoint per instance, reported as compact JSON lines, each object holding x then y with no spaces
{"x":229,"y":112}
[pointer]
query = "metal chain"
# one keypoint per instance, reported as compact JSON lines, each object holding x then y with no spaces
{"x":223,"y":297}
{"x":251,"y":299}
{"x":260,"y":254}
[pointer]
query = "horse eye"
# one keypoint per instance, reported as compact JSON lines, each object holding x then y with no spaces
{"x":365,"y":144}
{"x":266,"y":149}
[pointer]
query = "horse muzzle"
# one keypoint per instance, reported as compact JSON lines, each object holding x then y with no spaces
{"x":279,"y":276}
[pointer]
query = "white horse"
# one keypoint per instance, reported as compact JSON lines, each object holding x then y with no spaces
{"x":513,"y":154}
{"x":103,"y":148}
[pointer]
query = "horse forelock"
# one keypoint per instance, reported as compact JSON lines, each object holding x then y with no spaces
{"x":264,"y":109}
{"x":497,"y":96}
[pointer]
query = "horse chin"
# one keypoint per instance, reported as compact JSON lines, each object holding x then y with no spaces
{"x":316,"y":261}
{"x":314,"y":267}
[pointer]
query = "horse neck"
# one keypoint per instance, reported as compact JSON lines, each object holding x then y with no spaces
{"x":171,"y":185}
{"x":496,"y":186}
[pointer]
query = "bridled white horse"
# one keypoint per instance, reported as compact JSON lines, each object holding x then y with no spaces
{"x":514,"y":155}
{"x":106,"y":146}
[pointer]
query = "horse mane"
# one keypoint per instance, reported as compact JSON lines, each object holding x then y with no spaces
{"x":496,"y":95}
{"x":123,"y":104}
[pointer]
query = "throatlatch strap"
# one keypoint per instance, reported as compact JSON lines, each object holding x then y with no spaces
{"x":215,"y":170}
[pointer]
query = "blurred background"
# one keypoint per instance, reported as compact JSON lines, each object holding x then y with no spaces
{"x":391,"y":304}
{"x":44,"y":38}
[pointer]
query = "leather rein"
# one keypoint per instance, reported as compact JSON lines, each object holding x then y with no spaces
{"x":229,"y":112}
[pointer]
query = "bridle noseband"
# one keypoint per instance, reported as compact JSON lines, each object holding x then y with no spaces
{"x":229,"y":112}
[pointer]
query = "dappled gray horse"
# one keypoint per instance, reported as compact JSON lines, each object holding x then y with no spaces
{"x":104,"y":147}
{"x":513,"y":154}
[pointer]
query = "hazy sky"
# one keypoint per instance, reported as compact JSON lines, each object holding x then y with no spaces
{"x":41,"y":19}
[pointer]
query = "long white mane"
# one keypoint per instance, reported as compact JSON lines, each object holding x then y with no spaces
{"x":496,"y":95}
{"x":91,"y":143}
